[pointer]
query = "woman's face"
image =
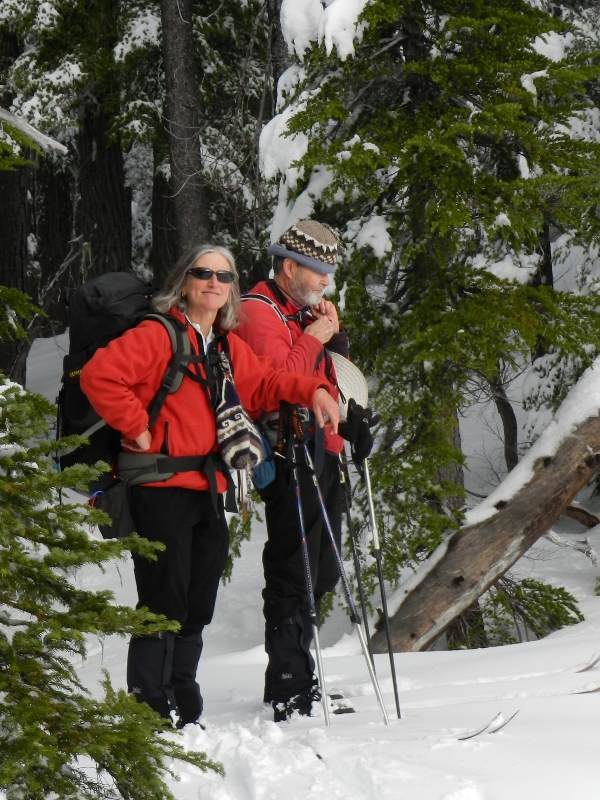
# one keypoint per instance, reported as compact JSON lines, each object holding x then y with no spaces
{"x":204,"y":296}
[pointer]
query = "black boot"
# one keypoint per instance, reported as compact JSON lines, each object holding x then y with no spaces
{"x":149,"y":665}
{"x":291,"y":664}
{"x":188,"y":648}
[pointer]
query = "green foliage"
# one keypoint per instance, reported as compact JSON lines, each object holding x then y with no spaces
{"x":240,"y":531}
{"x":461,"y":143}
{"x":513,"y":608}
{"x":48,"y":721}
{"x":12,"y":145}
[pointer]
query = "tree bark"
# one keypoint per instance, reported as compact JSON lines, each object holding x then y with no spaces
{"x":189,"y":198}
{"x":104,"y":214}
{"x":15,"y":225}
{"x":509,"y":422}
{"x":54,"y":199}
{"x":164,"y":233}
{"x":476,"y":556}
{"x":280,"y":55}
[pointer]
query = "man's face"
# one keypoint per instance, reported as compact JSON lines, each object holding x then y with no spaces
{"x":307,"y":285}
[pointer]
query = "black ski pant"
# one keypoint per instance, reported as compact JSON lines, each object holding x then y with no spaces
{"x":182,"y":584}
{"x":288,"y":629}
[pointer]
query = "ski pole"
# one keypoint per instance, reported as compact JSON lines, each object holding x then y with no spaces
{"x":345,"y":480}
{"x":377,"y":554}
{"x":312,"y":608}
{"x":354,"y":615}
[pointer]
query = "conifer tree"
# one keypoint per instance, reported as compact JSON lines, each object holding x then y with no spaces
{"x":48,"y":720}
{"x":444,"y":147}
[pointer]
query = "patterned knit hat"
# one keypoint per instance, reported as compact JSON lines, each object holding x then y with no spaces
{"x":313,"y":244}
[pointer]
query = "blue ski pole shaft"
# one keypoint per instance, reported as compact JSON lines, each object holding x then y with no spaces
{"x":312,"y":608}
{"x":354,"y":615}
{"x":378,"y":558}
{"x":345,"y":478}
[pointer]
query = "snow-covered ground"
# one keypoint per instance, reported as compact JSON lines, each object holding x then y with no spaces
{"x":547,"y":751}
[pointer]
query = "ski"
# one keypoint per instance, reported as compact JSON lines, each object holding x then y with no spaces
{"x":588,"y":689}
{"x":476,"y":731}
{"x":493,"y":726}
{"x":502,"y":723}
{"x":592,"y":663}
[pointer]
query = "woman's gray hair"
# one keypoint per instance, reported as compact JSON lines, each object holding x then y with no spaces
{"x":171,"y":293}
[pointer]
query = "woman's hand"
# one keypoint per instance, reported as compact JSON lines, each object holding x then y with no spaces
{"x":323,"y":403}
{"x":141,"y":443}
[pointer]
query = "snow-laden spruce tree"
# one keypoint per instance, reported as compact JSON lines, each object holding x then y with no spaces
{"x":447,"y":142}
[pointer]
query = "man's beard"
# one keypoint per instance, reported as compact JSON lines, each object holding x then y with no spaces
{"x":302,"y":293}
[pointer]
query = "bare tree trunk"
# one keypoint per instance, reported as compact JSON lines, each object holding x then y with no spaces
{"x":15,"y":219}
{"x":509,"y":422}
{"x":54,"y":200}
{"x":280,"y":55}
{"x":104,"y":214}
{"x":544,"y":277}
{"x":164,"y":233}
{"x":476,"y":556}
{"x":189,"y":199}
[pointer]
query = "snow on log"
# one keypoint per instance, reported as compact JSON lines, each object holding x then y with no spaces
{"x":44,"y":142}
{"x":504,"y":526}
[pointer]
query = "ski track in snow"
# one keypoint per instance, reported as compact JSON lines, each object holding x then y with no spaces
{"x":549,"y":750}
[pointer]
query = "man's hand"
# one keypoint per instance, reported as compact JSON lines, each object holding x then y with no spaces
{"x":327,"y":323}
{"x":323,"y":403}
{"x":141,"y":443}
{"x":322,"y":329}
{"x":327,"y":309}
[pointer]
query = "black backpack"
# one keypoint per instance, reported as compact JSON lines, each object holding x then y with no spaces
{"x":100,"y":311}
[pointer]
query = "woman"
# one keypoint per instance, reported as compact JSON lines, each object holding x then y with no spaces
{"x":120,"y":381}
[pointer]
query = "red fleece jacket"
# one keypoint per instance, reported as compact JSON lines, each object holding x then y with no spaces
{"x":262,"y":328}
{"x":122,"y":378}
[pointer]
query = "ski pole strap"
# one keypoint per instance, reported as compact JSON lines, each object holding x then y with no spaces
{"x":298,"y":424}
{"x":138,"y":468}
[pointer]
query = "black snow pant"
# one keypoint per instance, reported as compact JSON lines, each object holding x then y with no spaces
{"x":182,"y":584}
{"x":288,"y":629}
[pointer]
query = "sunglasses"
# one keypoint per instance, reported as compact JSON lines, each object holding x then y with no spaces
{"x":205,"y":274}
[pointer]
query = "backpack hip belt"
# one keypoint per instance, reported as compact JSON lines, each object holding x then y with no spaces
{"x":139,"y":468}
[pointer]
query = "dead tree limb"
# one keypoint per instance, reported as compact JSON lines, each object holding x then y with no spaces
{"x":476,"y":556}
{"x":582,"y":515}
{"x":43,"y":142}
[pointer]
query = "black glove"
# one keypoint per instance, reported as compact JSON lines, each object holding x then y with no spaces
{"x":356,"y":430}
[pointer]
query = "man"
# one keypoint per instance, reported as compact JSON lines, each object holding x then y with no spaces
{"x":296,"y":337}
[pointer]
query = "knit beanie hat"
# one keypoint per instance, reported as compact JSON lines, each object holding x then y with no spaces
{"x":313,"y":244}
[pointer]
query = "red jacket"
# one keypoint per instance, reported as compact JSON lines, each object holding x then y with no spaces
{"x":122,"y":378}
{"x":262,"y":328}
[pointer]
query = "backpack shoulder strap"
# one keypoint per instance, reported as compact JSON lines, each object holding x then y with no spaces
{"x":180,"y":344}
{"x":261,"y":298}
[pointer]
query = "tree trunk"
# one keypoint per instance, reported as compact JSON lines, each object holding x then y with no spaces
{"x":280,"y":55}
{"x":164,"y":233}
{"x":509,"y":422}
{"x":15,"y":219}
{"x":476,"y":556}
{"x":189,"y":200}
{"x":54,"y":190}
{"x":544,"y":277}
{"x":104,"y":214}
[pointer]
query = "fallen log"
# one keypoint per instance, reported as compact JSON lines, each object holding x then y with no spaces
{"x":502,"y":528}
